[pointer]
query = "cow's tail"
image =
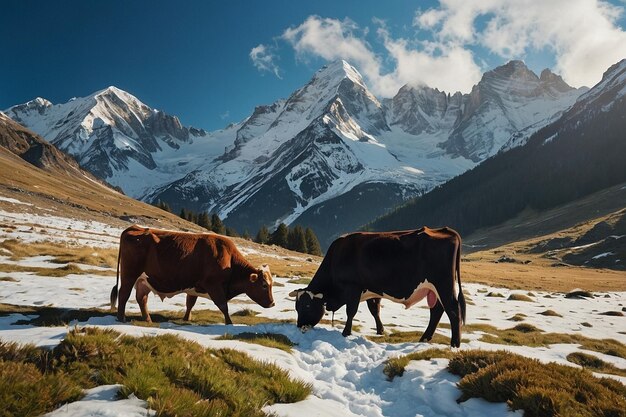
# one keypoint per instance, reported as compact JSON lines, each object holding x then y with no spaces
{"x":461,"y":297}
{"x":114,"y":289}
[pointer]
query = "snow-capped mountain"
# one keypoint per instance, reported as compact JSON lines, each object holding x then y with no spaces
{"x":580,"y":151}
{"x":113,"y":135}
{"x":331,"y":155}
{"x":505,"y":101}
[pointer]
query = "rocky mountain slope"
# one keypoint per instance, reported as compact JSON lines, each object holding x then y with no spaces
{"x":331,"y":156}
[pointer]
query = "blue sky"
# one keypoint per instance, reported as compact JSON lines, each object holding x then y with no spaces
{"x":211,"y":62}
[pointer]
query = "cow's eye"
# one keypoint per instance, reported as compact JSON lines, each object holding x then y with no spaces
{"x":264,"y":285}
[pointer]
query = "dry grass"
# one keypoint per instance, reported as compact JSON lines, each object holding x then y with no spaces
{"x":411,"y":337}
{"x":284,"y":265}
{"x":61,"y":253}
{"x":54,"y":272}
{"x":595,"y":364}
{"x":70,"y":195}
{"x":550,"y":313}
{"x":177,"y":378}
{"x":528,"y":335}
{"x":520,"y":297}
{"x":272,"y":340}
{"x":53,"y":316}
{"x":540,"y":276}
{"x":518,"y":317}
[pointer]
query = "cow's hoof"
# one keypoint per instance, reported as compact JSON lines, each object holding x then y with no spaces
{"x":121,"y":319}
{"x":425,"y":339}
{"x":346,"y":333}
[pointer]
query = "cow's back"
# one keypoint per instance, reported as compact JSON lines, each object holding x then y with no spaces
{"x":183,"y":260}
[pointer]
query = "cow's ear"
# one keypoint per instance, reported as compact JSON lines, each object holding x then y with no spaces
{"x":254,"y":277}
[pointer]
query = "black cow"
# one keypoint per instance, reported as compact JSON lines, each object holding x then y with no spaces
{"x":404,"y":267}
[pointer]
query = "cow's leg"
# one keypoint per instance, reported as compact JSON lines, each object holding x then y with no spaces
{"x":191,"y":301}
{"x":435,"y":315}
{"x":128,"y":277}
{"x":373,"y":304}
{"x":451,"y":306}
{"x":352,"y":306}
{"x":141,"y":293}
{"x":224,"y":309}
{"x":221,"y":301}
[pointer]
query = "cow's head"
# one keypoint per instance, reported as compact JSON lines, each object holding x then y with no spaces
{"x":259,"y":287}
{"x":310,"y":307}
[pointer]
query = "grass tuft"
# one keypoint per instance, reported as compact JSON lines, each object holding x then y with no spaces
{"x":518,"y":317}
{"x":593,"y":363}
{"x":395,"y":366}
{"x":579,"y":294}
{"x":612,"y":313}
{"x":246,"y":312}
{"x":494,"y":294}
{"x":550,"y":313}
{"x":519,"y":297}
{"x":273,"y":340}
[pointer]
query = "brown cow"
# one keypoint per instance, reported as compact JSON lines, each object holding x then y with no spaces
{"x":198,"y":264}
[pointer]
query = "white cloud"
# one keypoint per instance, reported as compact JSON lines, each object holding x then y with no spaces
{"x":582,"y":34}
{"x":263,"y":58}
{"x":333,"y":39}
{"x":225,"y":115}
{"x":444,"y":66}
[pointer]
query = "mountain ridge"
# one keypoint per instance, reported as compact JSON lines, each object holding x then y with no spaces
{"x":329,"y":139}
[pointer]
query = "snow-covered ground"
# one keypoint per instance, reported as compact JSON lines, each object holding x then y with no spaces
{"x":346,"y":373}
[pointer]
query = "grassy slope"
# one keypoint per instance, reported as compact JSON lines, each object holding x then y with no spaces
{"x":56,"y":193}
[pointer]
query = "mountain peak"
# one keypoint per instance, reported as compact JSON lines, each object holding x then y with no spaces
{"x":114,"y":91}
{"x":338,"y":71}
{"x":41,"y":102}
{"x":512,"y":70}
{"x":550,"y":79}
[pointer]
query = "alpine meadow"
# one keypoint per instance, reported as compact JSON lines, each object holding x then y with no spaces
{"x":313,"y":209}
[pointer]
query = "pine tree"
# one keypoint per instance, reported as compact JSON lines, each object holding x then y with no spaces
{"x":217,"y":225}
{"x":280,"y":235}
{"x":246,"y":235}
{"x":312,"y":243}
{"x":263,"y":235}
{"x":163,"y":206}
{"x":183,"y":213}
{"x":204,"y":220}
{"x":297,"y":240}
{"x":231,"y":232}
